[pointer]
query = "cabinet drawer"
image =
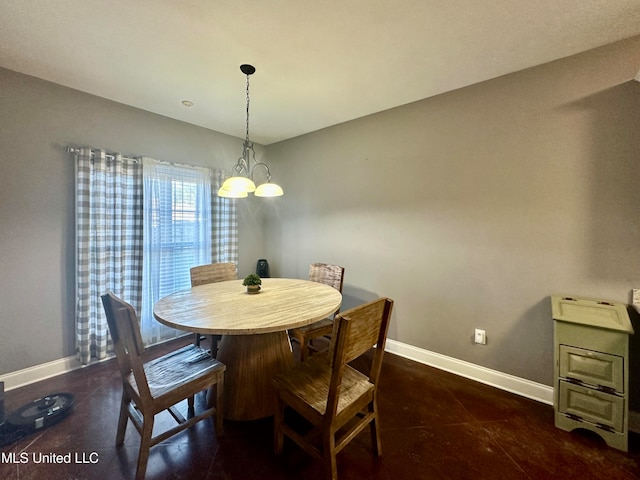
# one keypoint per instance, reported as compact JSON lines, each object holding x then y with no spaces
{"x":593,"y":368}
{"x":591,"y":405}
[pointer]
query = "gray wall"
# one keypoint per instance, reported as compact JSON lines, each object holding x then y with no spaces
{"x":470,"y":208}
{"x":37,"y":120}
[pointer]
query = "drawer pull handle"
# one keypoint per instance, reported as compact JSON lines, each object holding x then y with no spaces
{"x":604,"y":389}
{"x":577,"y":418}
{"x":607,"y":428}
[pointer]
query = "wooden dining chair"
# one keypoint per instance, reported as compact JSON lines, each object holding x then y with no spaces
{"x":211,"y":273}
{"x":332,"y":275}
{"x":148,"y":388}
{"x":329,"y":393}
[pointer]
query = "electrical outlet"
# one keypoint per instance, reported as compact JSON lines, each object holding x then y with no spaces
{"x":480,"y":336}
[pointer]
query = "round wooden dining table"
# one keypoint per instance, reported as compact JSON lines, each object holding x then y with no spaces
{"x":255,"y":345}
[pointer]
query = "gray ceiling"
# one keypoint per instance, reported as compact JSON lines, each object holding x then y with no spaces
{"x":319,"y":63}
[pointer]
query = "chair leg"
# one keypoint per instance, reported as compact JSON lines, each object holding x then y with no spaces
{"x":122,"y":419}
{"x":278,"y":434}
{"x":145,"y":446}
{"x":329,"y":452}
{"x":213,"y":340}
{"x":220,"y":405}
{"x":304,"y":349}
{"x":196,"y":340}
{"x":215,"y":391}
{"x":375,"y":431}
{"x":191,"y":411}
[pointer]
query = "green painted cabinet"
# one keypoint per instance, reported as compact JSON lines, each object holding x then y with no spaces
{"x":591,"y":367}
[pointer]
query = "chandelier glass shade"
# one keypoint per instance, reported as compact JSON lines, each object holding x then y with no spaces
{"x":268,"y":190}
{"x":241,"y":183}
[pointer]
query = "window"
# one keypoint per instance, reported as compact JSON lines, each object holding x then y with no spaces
{"x":140,"y":227}
{"x":177,"y":235}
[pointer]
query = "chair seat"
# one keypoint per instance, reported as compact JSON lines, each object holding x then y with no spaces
{"x":317,"y":328}
{"x":333,"y":276}
{"x":148,"y":388}
{"x":178,"y":368}
{"x":336,"y":399}
{"x":310,"y":381}
{"x":212,"y":273}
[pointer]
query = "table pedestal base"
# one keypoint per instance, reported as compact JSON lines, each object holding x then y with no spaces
{"x":252,"y":361}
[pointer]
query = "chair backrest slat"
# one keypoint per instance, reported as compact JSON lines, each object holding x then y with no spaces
{"x":355,"y":332}
{"x":127,"y":340}
{"x":212,"y":273}
{"x":111,"y":304}
{"x":331,"y":275}
{"x":365,"y":328}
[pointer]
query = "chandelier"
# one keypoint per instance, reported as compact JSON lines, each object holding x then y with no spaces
{"x":241,"y":183}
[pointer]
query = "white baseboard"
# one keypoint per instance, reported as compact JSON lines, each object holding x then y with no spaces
{"x":510,"y":383}
{"x":26,"y":376}
{"x":519,"y":386}
{"x":504,"y":381}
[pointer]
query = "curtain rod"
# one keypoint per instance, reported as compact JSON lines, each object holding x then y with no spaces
{"x":109,"y":156}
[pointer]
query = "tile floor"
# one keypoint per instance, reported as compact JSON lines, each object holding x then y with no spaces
{"x":434,"y":425}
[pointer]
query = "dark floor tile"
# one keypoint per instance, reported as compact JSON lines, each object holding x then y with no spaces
{"x":418,"y":400}
{"x":486,"y":403}
{"x":434,"y":425}
{"x":461,"y":451}
{"x":545,"y":452}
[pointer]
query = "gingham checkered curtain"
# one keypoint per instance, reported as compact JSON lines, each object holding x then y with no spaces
{"x":224,"y":223}
{"x":108,"y":244}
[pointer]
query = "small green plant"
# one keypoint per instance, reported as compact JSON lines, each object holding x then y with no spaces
{"x":251,"y":279}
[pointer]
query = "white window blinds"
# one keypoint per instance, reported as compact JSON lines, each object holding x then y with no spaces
{"x":177,"y":234}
